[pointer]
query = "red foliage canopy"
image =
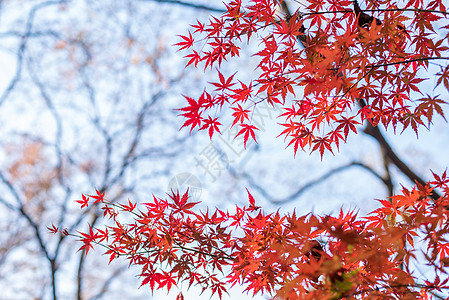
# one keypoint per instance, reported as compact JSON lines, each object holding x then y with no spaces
{"x":330,"y":66}
{"x":331,"y":53}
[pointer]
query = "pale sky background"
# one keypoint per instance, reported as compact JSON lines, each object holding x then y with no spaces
{"x":268,"y":163}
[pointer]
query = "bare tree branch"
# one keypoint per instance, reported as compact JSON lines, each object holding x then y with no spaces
{"x":23,"y":44}
{"x":294,"y":196}
{"x":394,"y":158}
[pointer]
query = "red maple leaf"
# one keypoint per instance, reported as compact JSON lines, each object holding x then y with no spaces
{"x":187,"y":43}
{"x":246,"y":131}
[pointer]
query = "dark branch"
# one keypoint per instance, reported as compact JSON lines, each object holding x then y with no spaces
{"x":308,"y":185}
{"x":394,"y":159}
{"x":23,"y":45}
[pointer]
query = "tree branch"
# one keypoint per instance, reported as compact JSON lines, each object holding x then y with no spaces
{"x":391,"y":155}
{"x":308,"y":185}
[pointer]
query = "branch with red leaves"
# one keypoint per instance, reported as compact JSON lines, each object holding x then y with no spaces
{"x":347,"y":56}
{"x":287,"y":255}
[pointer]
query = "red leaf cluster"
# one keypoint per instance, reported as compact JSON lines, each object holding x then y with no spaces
{"x":290,"y":256}
{"x":318,"y":63}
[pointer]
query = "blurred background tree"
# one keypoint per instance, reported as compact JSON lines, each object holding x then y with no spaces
{"x":87,"y":96}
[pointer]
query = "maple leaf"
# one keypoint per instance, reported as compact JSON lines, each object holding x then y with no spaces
{"x":252,"y":202}
{"x":53,"y":228}
{"x":99,"y":197}
{"x":443,"y":77}
{"x":218,"y":288}
{"x":301,"y":138}
{"x":151,"y":278}
{"x":335,"y":136}
{"x":115,"y":251}
{"x":242,"y":94}
{"x":322,"y":144}
{"x":199,"y":27}
{"x":87,"y":239}
{"x":373,"y":33}
{"x":109,"y":211}
{"x":193,"y":120}
{"x":166,"y":280}
{"x":128,"y":207}
{"x":195,"y":58}
{"x":246,"y":131}
{"x":187,"y":43}
{"x":84,"y":202}
{"x":347,"y":124}
{"x":212,"y":124}
{"x":224,"y":84}
{"x":192,"y":112}
{"x":440,"y":181}
{"x":238,"y":217}
{"x":430,"y":104}
{"x":412,"y":120}
{"x":194,"y":106}
{"x":239,"y":114}
{"x":376,"y":219}
{"x":181,"y":203}
{"x":102,"y":235}
{"x":290,"y":29}
{"x":296,"y":141}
